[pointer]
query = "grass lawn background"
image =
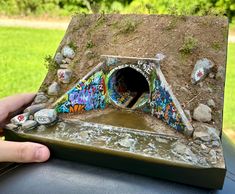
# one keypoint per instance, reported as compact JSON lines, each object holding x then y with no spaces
{"x":22,"y":53}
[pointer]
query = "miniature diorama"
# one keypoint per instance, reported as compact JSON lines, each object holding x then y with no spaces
{"x":140,"y":93}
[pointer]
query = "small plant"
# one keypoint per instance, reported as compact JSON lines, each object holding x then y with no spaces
{"x":72,"y":46}
{"x":216,"y":46}
{"x":128,"y":26}
{"x":89,"y":44}
{"x":49,"y":63}
{"x":189,"y":45}
{"x":172,"y":24}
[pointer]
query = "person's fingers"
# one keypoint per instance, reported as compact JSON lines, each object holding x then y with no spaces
{"x":13,"y":103}
{"x":23,"y":152}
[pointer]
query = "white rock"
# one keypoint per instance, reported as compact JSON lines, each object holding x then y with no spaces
{"x":53,"y":89}
{"x":211,"y":103}
{"x":205,"y":133}
{"x":34,"y":108}
{"x":40,"y":98}
{"x":126,"y":142}
{"x":68,"y":52}
{"x":30,"y":124}
{"x":220,"y":73}
{"x":64,"y":75}
{"x":45,"y":116}
{"x":20,"y":119}
{"x":201,"y":69}
{"x":11,"y":126}
{"x":64,"y":66}
{"x":58,"y":58}
{"x":202,"y":113}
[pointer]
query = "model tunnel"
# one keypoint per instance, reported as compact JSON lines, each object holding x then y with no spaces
{"x":127,"y":86}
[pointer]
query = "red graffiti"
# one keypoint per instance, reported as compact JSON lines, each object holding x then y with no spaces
{"x":199,"y":74}
{"x":20,"y":117}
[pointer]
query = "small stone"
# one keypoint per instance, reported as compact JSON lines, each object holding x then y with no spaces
{"x":201,"y":135}
{"x":41,"y":128}
{"x":31,"y":117}
{"x":68,"y":60}
{"x":188,"y":115}
{"x":64,"y":66}
{"x":64,"y":75}
{"x":184,"y":151}
{"x":211,"y":103}
{"x":68,"y":52}
{"x":53,"y":89}
{"x":205,"y":133}
{"x":40,"y":98}
{"x":211,"y":75}
{"x":34,"y":108}
{"x":201,"y":69}
{"x":11,"y":126}
{"x":20,"y":119}
{"x":30,"y":124}
{"x":203,"y":146}
{"x":220,"y":75}
{"x":212,"y":153}
{"x":58,"y":58}
{"x":84,"y":135}
{"x":184,"y":89}
{"x":202,"y":113}
{"x":160,"y":56}
{"x":51,"y":100}
{"x":126,"y":142}
{"x":45,"y":116}
{"x":89,"y":54}
{"x":215,"y":144}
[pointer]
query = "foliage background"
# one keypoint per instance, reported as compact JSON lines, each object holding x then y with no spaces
{"x":68,"y":7}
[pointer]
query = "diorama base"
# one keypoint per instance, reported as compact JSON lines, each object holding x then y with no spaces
{"x":211,"y":178}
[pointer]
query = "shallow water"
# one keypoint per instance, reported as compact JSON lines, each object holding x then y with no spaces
{"x":138,"y":142}
{"x":123,"y":118}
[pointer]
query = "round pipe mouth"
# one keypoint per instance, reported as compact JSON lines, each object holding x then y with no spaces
{"x":128,"y":88}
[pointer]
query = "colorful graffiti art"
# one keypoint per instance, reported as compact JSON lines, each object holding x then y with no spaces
{"x":86,"y":95}
{"x":164,"y":108}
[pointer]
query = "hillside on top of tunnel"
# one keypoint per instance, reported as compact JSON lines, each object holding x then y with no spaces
{"x":183,"y":40}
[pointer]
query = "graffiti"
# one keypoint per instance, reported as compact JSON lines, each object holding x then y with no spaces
{"x":164,"y":108}
{"x":146,"y":66}
{"x":86,"y":95}
{"x":90,"y":94}
{"x":111,"y":61}
{"x":117,"y":89}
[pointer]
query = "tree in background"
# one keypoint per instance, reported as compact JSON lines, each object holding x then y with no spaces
{"x":68,"y":7}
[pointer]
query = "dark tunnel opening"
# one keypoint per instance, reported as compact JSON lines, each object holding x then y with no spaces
{"x":127,"y":87}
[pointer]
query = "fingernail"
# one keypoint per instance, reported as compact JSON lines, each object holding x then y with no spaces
{"x":41,"y":154}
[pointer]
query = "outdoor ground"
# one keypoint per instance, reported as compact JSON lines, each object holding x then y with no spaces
{"x":22,"y":58}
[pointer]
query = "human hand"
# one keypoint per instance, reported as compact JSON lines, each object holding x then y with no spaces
{"x":24,"y":152}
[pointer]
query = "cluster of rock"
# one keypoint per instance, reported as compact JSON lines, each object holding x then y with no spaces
{"x":202,"y":69}
{"x":33,"y":116}
{"x":205,"y":145}
{"x":64,"y":74}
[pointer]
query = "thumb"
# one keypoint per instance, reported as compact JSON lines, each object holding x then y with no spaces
{"x":23,"y":152}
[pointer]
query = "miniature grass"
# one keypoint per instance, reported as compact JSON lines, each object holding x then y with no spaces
{"x":22,"y":54}
{"x":189,"y":45}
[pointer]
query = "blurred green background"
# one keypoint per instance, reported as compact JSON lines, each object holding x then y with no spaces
{"x":22,"y":50}
{"x":67,"y":7}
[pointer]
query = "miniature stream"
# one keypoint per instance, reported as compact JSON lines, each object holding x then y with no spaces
{"x":145,"y":143}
